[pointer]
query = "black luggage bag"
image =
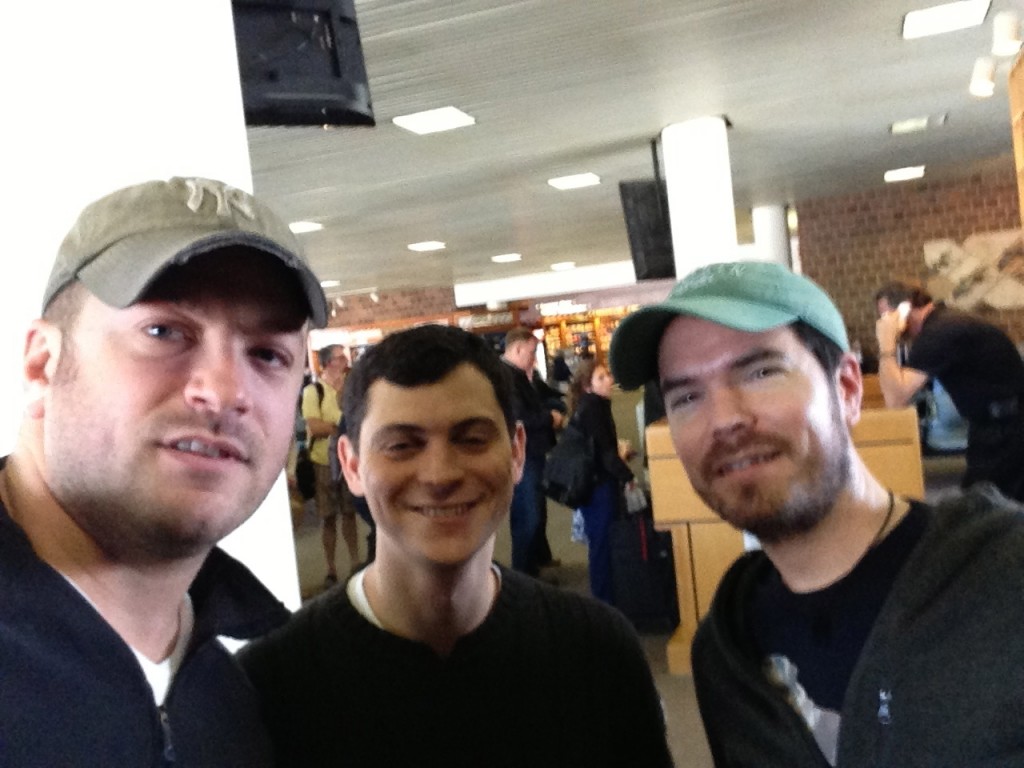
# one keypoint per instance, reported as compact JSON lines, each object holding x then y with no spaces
{"x":643,"y":574}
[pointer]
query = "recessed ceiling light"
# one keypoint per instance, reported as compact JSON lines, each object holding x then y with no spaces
{"x":575,"y":181}
{"x":302,"y":227}
{"x":434,"y":120}
{"x":1006,"y":39}
{"x":983,"y":78}
{"x":947,"y":17}
{"x":330,"y":283}
{"x":910,"y":125}
{"x":916,"y":124}
{"x":506,"y":258}
{"x":904,"y":174}
{"x":426,"y":245}
{"x":562,"y":266}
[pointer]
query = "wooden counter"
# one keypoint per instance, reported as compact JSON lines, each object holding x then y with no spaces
{"x":704,"y":547}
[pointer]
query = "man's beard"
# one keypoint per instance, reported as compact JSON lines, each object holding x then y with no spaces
{"x":772,"y":513}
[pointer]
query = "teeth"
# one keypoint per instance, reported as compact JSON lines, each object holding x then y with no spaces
{"x":744,"y":463}
{"x":445,"y":511}
{"x":194,"y":446}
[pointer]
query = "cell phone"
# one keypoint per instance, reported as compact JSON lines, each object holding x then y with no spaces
{"x":903,"y":310}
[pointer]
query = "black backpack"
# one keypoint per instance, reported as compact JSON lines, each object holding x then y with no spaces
{"x":571,"y":468}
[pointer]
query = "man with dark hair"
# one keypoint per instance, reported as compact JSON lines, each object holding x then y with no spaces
{"x":975,"y":362}
{"x":433,"y":654}
{"x":321,"y":408}
{"x":528,"y":518}
{"x":161,"y":383}
{"x":871,"y":630}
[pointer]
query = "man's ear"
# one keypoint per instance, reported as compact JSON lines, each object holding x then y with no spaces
{"x":850,"y":386}
{"x":39,"y":364}
{"x":349,"y":460}
{"x":518,"y":451}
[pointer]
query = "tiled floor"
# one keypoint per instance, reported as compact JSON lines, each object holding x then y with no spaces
{"x":685,"y":733}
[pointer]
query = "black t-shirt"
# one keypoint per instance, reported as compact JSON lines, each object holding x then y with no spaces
{"x":822,"y":633}
{"x":974,"y":360}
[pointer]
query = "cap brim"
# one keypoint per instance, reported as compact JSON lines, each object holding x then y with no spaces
{"x":634,"y":347}
{"x":149,"y":254}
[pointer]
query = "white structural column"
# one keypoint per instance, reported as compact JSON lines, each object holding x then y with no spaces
{"x":771,"y":234}
{"x":700,"y":201}
{"x":99,"y":95}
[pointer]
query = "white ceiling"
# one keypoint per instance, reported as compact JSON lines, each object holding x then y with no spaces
{"x":566,"y":86}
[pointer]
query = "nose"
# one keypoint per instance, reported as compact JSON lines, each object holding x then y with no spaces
{"x":439,"y":467}
{"x":217,"y":380}
{"x":728,"y":410}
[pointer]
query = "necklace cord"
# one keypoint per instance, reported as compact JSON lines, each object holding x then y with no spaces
{"x":885,"y":523}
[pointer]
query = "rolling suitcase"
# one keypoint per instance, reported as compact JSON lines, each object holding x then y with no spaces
{"x":643,"y":574}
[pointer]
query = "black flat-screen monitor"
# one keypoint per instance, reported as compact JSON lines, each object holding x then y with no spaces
{"x":645,"y":208}
{"x":301,"y":63}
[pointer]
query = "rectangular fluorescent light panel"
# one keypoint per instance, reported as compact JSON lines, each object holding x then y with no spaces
{"x":330,"y":283}
{"x":302,"y":227}
{"x":506,"y":258}
{"x":576,"y":181}
{"x":904,"y":174}
{"x":434,"y":120}
{"x":947,"y":17}
{"x":426,"y":245}
{"x":563,"y":266}
{"x":910,"y":125}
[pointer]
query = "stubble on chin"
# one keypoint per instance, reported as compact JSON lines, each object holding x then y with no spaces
{"x":779,"y":511}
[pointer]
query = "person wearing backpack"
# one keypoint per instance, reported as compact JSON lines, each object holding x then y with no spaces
{"x":322,"y":412}
{"x":590,"y":392}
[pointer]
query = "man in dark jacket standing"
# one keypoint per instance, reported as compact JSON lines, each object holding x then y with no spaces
{"x":160,"y":388}
{"x":527,"y":516}
{"x":871,"y":631}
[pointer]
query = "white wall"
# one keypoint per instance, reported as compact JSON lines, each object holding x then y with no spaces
{"x":100,"y":94}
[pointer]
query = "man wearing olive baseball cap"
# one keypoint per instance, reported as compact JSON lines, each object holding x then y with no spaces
{"x":871,"y":630}
{"x":160,"y":383}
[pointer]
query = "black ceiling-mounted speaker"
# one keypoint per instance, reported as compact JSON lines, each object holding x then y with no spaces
{"x":645,"y":208}
{"x":301,"y":63}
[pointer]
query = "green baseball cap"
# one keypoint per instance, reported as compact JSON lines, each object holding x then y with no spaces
{"x":122,"y":242}
{"x":752,"y":296}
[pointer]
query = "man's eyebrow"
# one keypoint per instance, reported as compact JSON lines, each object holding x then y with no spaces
{"x":754,"y":356}
{"x":474,"y":422}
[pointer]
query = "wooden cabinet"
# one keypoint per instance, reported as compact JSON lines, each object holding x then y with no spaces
{"x":704,"y":547}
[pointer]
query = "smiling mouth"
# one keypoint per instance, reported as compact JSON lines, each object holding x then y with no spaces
{"x":199,"y":448}
{"x":457,"y":510}
{"x":738,"y":465}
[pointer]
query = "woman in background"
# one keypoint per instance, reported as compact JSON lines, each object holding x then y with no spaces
{"x":590,"y":393}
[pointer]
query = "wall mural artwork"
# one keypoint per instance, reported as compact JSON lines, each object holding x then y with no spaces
{"x":987,"y":269}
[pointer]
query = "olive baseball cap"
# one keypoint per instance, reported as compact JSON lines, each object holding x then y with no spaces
{"x":122,"y":242}
{"x":750,"y":296}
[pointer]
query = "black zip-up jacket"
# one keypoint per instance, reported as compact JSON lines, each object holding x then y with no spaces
{"x":72,"y":692}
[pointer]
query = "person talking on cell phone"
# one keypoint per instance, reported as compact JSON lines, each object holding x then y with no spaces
{"x":974,"y":361}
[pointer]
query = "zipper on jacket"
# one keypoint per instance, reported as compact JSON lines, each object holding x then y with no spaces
{"x":165,"y":725}
{"x":884,"y":716}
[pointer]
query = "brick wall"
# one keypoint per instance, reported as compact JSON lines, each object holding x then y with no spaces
{"x":853,"y":244}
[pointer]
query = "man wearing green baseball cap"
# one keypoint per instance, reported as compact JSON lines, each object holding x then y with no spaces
{"x":160,"y":386}
{"x":870,"y":630}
